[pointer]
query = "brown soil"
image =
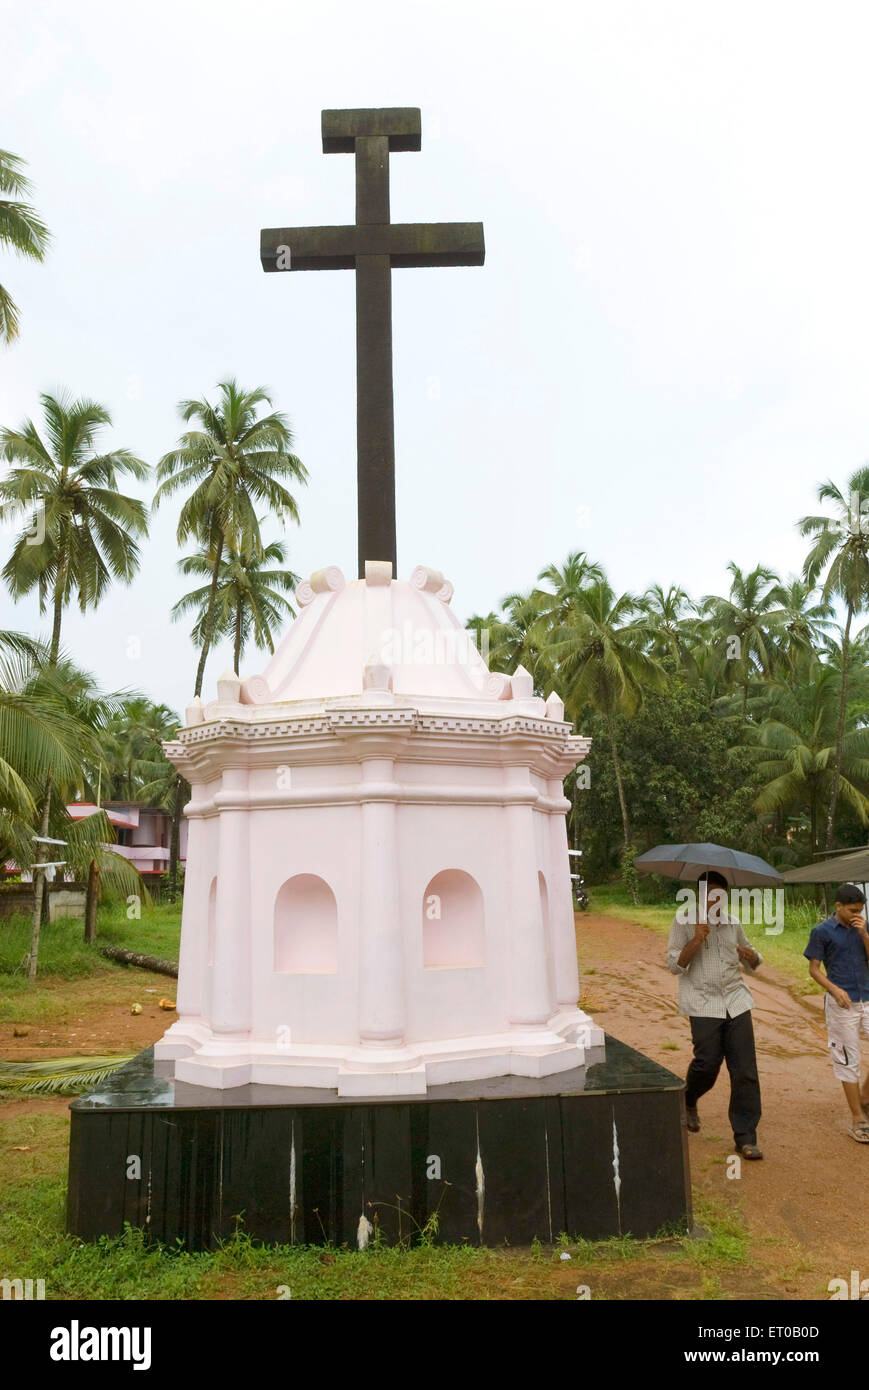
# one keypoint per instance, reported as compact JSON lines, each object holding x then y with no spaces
{"x":91,"y":1017}
{"x":805,"y":1203}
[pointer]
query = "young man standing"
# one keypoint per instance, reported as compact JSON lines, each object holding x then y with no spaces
{"x":841,"y":944}
{"x":705,"y":950}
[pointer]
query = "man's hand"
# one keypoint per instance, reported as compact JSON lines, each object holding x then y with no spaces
{"x":860,"y":924}
{"x":747,"y":954}
{"x":690,"y":949}
{"x":842,"y":998}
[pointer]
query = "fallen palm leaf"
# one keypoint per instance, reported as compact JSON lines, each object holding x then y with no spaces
{"x":59,"y":1075}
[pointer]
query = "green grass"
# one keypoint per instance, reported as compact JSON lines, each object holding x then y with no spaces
{"x":725,"y":1240}
{"x":158,"y":932}
{"x":63,"y":953}
{"x":33,"y":1245}
{"x":63,"y":956}
{"x":783,"y":951}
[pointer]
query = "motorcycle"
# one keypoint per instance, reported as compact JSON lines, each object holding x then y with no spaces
{"x":580,"y":897}
{"x":577,"y":883}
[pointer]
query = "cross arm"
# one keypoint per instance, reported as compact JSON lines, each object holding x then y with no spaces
{"x":401,"y":124}
{"x":406,"y":243}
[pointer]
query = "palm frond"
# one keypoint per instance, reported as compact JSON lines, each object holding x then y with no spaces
{"x":59,"y":1076}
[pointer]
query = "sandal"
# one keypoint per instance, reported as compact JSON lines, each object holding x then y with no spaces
{"x":860,"y":1132}
{"x":751,"y":1150}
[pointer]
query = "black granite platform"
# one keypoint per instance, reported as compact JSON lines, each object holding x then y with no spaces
{"x":594,"y":1152}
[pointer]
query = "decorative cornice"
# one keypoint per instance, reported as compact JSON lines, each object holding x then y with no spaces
{"x":487,"y":726}
{"x":361,"y":719}
{"x":346,"y":735}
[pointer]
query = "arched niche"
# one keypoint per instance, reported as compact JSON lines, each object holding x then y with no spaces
{"x":306,"y":927}
{"x":453,"y":924}
{"x":211,"y":920}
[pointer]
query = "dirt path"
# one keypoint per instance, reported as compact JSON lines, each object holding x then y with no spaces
{"x":805,"y":1204}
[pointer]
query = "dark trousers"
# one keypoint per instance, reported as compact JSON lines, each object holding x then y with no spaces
{"x":729,"y":1040}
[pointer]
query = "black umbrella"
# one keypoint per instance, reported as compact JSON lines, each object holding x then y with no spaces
{"x":688,"y":862}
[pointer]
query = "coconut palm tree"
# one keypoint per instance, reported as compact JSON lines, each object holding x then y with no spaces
{"x":793,"y":749}
{"x":516,"y":636}
{"x":841,"y":546}
{"x":602,"y":662}
{"x":743,"y":625}
{"x":159,"y":783}
{"x":52,"y":720}
{"x":132,"y":729}
{"x":249,"y":601}
{"x":133,"y":766}
{"x":234,"y":462}
{"x":80,"y":531}
{"x":20,"y":229}
{"x":672,"y":624}
{"x":37,"y":738}
{"x":566,"y":583}
{"x":853,"y":660}
{"x":114,"y":778}
{"x":803,"y":618}
{"x":488,"y":630}
{"x":525,"y":637}
{"x":92,"y":711}
{"x":706,"y":664}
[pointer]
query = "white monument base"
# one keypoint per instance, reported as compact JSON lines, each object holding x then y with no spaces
{"x":205,"y":1058}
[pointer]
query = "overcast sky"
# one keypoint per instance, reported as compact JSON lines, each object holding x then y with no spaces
{"x":665,"y":353}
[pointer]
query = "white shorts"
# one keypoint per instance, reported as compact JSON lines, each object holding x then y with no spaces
{"x":844,"y":1027}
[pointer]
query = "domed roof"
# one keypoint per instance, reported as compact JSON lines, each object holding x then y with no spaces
{"x":377,"y":634}
{"x":379,"y":640}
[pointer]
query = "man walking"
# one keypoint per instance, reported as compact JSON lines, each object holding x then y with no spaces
{"x":841,"y":945}
{"x":705,"y":950}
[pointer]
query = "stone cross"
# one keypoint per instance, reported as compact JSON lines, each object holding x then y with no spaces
{"x":372,"y":247}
